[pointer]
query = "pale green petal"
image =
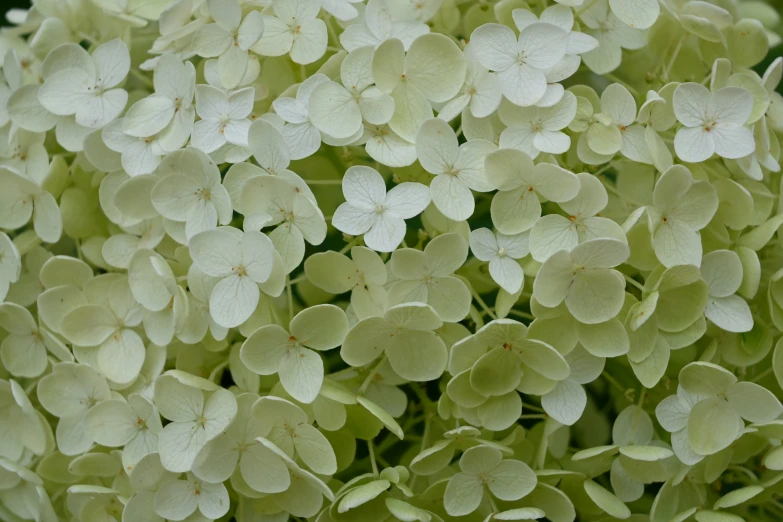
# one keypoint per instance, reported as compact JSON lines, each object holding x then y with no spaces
{"x":417,"y":355}
{"x":706,"y":379}
{"x":314,"y":450}
{"x":496,"y":373}
{"x":606,"y":501}
{"x":753,"y":402}
{"x":511,"y":480}
{"x":712,"y":426}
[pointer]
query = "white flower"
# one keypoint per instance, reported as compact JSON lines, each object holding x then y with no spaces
{"x":118,"y":250}
{"x":199,"y":410}
{"x":612,"y":129}
{"x":27,"y":154}
{"x":371,"y":211}
{"x":135,"y":13}
{"x":583,"y":278}
{"x":363,"y":275}
{"x":165,"y":303}
{"x":193,"y":194}
{"x":68,"y":392}
{"x":200,"y":320}
{"x":387,"y":147}
{"x":484,"y":472}
{"x":178,"y":499}
{"x":138,"y":155}
{"x":271,"y":152}
{"x":106,"y":321}
{"x":26,"y":431}
{"x":295,"y":30}
{"x":294,"y":355}
{"x":224,"y":117}
{"x":338,"y":110}
{"x":23,"y":351}
{"x":134,"y":425}
{"x":457,"y":168}
{"x":168,"y":112}
{"x":242,"y":261}
{"x":681,"y":207}
{"x":379,"y":26}
{"x":420,"y":10}
{"x":405,"y":334}
{"x":22,"y":198}
{"x":520,"y":62}
{"x":516,"y":206}
{"x":301,"y":135}
{"x":481,"y":92}
{"x":428,"y":277}
{"x":432,"y":71}
{"x":342,"y":10}
{"x":502,"y":253}
{"x":636,"y":13}
{"x":554,"y":232}
{"x":618,"y":103}
{"x":87,"y":87}
{"x":10,"y":264}
{"x":712,"y":123}
{"x":276,"y":201}
{"x":229,"y":39}
{"x":771,"y":80}
{"x":559,"y":16}
{"x":238,"y":449}
{"x":538,"y":129}
{"x":722,"y":270}
{"x":613,"y":36}
{"x":715,"y":420}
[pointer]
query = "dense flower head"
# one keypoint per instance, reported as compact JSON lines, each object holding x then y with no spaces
{"x":391,"y":260}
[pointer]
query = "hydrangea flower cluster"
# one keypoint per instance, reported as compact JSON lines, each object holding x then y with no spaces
{"x":391,"y":260}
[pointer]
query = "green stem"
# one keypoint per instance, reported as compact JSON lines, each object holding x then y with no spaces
{"x":634,"y":282}
{"x":533,"y":416}
{"x":372,"y":458}
{"x":604,"y":168}
{"x":763,"y":374}
{"x":298,"y":279}
{"x":324,"y":181}
{"x":745,"y":471}
{"x":492,"y":502}
{"x":424,"y":442}
{"x":330,"y":30}
{"x":290,"y":294}
{"x":371,"y":376}
{"x":671,"y":61}
{"x":613,"y":381}
{"x":220,"y":367}
{"x":619,"y":194}
{"x":142,"y":78}
{"x":481,"y":303}
{"x":352,"y":243}
{"x":383,"y":462}
{"x":625,"y":84}
{"x":585,"y":8}
{"x":523,"y":315}
{"x":533,"y":407}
